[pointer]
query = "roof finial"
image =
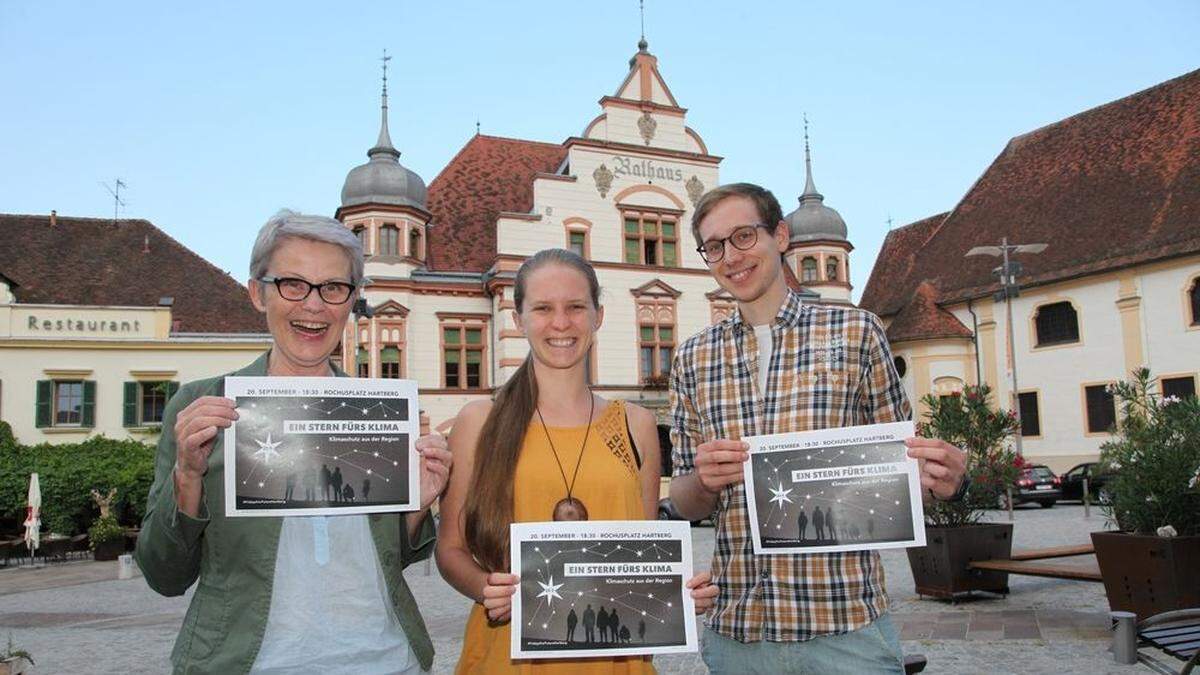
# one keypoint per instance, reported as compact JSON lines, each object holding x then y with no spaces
{"x":476,"y":126}
{"x":642,"y":44}
{"x":384,"y":144}
{"x":810,"y":190}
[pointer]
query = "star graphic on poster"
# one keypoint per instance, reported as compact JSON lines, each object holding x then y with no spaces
{"x":267,"y":450}
{"x":550,"y":590}
{"x":780,"y":495}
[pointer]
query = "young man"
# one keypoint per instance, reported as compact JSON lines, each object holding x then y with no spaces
{"x":781,"y":366}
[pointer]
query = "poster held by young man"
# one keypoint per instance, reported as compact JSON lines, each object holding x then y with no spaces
{"x":846,"y":489}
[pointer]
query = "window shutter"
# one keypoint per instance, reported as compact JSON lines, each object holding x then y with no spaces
{"x":42,"y":411}
{"x":88,"y":416}
{"x":131,"y":403}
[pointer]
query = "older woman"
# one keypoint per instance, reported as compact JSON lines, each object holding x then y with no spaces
{"x":270,"y":598}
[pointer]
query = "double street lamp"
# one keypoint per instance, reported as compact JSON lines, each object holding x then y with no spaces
{"x":1009,"y":289}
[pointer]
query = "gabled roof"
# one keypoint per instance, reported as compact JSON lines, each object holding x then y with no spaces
{"x":1111,"y":187}
{"x":487,"y":176}
{"x":922,"y":319}
{"x":90,"y":261}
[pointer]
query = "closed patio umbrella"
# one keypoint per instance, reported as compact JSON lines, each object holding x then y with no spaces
{"x":33,"y":515}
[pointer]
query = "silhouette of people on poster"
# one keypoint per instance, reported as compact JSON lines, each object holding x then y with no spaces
{"x":613,"y":625}
{"x":572,"y":619}
{"x":366,"y":489}
{"x":818,"y":520}
{"x":602,"y":623}
{"x":870,"y":528}
{"x":589,"y":624}
{"x":326,"y":482}
{"x":641,"y":630}
{"x":829,"y":524}
{"x":802,"y":521}
{"x":347,"y":493}
{"x":289,"y":485}
{"x":309,"y":481}
{"x":337,"y":483}
{"x":624,"y":634}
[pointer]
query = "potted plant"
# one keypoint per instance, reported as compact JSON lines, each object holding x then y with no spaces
{"x":954,"y":535}
{"x":15,"y":661}
{"x":107,"y":538}
{"x":1149,"y":565}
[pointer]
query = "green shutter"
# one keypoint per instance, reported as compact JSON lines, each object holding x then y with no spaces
{"x":42,"y":411}
{"x":88,"y":416}
{"x":131,"y":401}
{"x":647,"y":333}
{"x":474,"y":336}
{"x":390,"y":355}
{"x":474,"y":356}
{"x":633,"y":253}
{"x":669,"y":254}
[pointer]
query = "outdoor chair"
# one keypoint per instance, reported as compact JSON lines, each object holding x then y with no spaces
{"x":1176,"y":633}
{"x":56,"y":548}
{"x":80,"y":545}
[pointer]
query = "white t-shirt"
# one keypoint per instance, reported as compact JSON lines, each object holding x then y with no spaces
{"x":329,"y":608}
{"x":762,"y":335}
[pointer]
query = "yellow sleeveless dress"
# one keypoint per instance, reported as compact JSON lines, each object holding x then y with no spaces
{"x":609,"y":487}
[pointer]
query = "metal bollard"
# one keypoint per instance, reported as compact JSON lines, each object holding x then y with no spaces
{"x":1087,"y":500}
{"x":125,"y":566}
{"x":1010,"y":504}
{"x":1124,"y":643}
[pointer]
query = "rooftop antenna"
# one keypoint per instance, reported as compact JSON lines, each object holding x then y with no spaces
{"x":116,"y":195}
{"x":642,"y":13}
{"x":889,"y":222}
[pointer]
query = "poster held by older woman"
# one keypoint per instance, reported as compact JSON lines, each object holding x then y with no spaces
{"x":321,"y":446}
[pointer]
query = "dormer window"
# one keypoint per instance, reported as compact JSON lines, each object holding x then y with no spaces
{"x":389,"y":239}
{"x":808,"y":270}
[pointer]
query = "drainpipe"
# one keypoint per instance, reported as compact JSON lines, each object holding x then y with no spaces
{"x":975,"y":341}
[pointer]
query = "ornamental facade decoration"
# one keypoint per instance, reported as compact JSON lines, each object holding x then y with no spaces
{"x":695,"y":189}
{"x":647,"y":126}
{"x":604,"y":179}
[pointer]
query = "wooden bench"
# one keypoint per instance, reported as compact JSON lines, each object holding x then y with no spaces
{"x":1175,"y":633}
{"x":1029,"y":563}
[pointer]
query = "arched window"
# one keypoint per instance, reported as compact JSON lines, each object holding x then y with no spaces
{"x":901,"y":365}
{"x":361,"y":233}
{"x":831,"y":265}
{"x":1056,"y":324}
{"x":389,"y":362}
{"x":808,"y":270}
{"x":414,"y":244}
{"x":389,"y":240}
{"x":1194,"y":295}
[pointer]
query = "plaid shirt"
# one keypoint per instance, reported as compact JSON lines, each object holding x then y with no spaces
{"x":830,"y":367}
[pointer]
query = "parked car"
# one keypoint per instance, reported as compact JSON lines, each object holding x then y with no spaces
{"x":1097,"y":478}
{"x":1037,"y":483}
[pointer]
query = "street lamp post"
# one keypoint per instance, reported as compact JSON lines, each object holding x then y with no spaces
{"x":1009,"y":289}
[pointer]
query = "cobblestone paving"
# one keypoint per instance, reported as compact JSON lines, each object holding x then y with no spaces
{"x":79,"y":619}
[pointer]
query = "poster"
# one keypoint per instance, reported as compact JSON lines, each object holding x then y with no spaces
{"x":602,"y":588}
{"x":321,"y":446}
{"x":845,"y":489}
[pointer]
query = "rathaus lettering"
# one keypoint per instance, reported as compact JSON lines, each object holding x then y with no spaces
{"x":644,"y":168}
{"x":81,"y":325}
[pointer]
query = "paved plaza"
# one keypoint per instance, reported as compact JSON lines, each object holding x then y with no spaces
{"x":77,"y":617}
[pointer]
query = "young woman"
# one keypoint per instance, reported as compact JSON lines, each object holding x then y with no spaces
{"x":547,"y":448}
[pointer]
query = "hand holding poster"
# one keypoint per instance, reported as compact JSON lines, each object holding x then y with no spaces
{"x":844,"y":489}
{"x":602,"y":588}
{"x":321,"y":445}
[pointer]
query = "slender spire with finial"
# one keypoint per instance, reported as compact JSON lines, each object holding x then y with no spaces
{"x":384,"y":146}
{"x":810,"y":190}
{"x":476,"y":126}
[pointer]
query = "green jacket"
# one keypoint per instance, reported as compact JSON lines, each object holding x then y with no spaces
{"x":233,"y":559}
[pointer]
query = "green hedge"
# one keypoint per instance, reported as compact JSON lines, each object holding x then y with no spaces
{"x":67,"y":473}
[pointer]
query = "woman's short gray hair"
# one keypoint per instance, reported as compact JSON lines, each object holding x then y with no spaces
{"x":287,"y":223}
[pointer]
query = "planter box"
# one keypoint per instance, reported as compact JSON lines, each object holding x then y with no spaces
{"x":109,"y":550}
{"x":16,"y":666}
{"x":940,"y":567}
{"x":1147,"y":574}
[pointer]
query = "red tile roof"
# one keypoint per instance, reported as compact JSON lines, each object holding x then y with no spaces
{"x":89,"y":261}
{"x":1111,"y":187}
{"x":489,"y":175}
{"x":922,"y":319}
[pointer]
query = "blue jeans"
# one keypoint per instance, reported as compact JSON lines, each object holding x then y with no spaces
{"x":874,"y":648}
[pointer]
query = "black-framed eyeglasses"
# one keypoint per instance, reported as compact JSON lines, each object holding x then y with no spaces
{"x":297,"y":289}
{"x":742,"y":238}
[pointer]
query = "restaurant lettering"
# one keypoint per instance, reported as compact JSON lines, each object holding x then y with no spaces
{"x":645,"y":168}
{"x":84,"y":325}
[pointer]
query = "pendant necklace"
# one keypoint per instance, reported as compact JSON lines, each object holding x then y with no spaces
{"x":570,"y":508}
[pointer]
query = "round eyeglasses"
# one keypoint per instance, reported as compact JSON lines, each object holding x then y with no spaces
{"x":742,"y":238}
{"x":297,"y":289}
